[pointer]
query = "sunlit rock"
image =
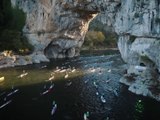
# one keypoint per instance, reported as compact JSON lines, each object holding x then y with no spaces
{"x":56,"y":27}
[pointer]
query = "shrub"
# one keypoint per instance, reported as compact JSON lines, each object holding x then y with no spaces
{"x":18,"y":19}
{"x":12,"y":21}
{"x":14,"y":40}
{"x":94,"y":38}
{"x":110,"y":37}
{"x":11,"y":18}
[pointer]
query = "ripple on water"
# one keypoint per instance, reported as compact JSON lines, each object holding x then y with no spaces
{"x":98,"y":92}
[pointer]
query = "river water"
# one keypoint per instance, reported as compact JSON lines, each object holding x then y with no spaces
{"x":83,"y":88}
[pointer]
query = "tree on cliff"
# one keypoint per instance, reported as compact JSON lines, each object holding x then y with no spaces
{"x":12,"y":21}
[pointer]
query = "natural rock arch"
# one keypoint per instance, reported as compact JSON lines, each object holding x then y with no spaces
{"x":57,"y":28}
{"x":62,"y":24}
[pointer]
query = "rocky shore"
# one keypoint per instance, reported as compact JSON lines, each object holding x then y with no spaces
{"x":11,"y":60}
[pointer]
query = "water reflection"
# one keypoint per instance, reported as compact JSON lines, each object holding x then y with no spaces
{"x":75,"y":89}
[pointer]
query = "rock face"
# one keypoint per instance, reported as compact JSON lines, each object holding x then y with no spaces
{"x":139,"y":30}
{"x":139,"y":44}
{"x":57,"y":29}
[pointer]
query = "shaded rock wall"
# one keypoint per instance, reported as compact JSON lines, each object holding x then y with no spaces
{"x":139,"y":44}
{"x":139,"y":30}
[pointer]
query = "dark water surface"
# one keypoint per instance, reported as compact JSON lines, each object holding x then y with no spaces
{"x":92,"y":87}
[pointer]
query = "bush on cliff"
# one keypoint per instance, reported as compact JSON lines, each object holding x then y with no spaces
{"x":12,"y":21}
{"x":14,"y":40}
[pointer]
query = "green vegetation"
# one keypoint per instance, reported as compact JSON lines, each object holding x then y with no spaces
{"x":11,"y":18}
{"x":12,"y":21}
{"x":94,"y":38}
{"x":13,"y":40}
{"x":99,"y":38}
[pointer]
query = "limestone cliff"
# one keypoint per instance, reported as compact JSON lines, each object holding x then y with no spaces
{"x":59,"y":26}
{"x":139,"y":31}
{"x":57,"y":29}
{"x":138,"y":26}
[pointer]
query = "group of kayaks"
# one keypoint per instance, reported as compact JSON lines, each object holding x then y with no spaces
{"x":6,"y":97}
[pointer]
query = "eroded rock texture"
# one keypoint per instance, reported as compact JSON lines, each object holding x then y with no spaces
{"x":139,"y":31}
{"x":57,"y":29}
{"x":139,"y":44}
